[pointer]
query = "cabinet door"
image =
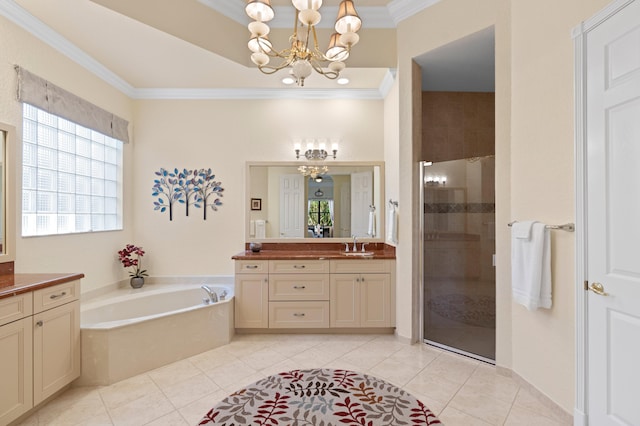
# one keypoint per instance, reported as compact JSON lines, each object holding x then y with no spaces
{"x":375,"y":300}
{"x":56,"y":349}
{"x":345,"y":300}
{"x":16,"y":392}
{"x":252,"y":301}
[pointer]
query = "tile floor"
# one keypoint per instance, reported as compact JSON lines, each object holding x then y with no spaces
{"x":461,"y":391}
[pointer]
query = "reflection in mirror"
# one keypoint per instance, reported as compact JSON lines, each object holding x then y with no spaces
{"x":345,"y":201}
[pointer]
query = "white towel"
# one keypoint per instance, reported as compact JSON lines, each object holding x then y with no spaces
{"x":522,"y":230}
{"x":531,"y":266}
{"x":392,"y":226}
{"x":260,"y":229}
{"x":372,"y":224}
{"x":252,"y":228}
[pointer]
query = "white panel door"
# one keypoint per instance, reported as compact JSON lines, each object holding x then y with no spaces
{"x":361,"y":199}
{"x":292,"y":206}
{"x":613,"y":218}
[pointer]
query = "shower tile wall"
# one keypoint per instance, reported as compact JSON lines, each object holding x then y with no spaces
{"x":457,"y":125}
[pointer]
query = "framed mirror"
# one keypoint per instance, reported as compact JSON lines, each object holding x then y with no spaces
{"x":283,"y":203}
{"x":7,"y":194}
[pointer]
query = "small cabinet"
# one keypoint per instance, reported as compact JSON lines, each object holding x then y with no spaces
{"x":16,"y":391}
{"x":56,"y":349}
{"x":252,"y":294}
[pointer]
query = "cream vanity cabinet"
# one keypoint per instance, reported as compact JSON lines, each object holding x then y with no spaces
{"x":39,"y":346}
{"x":16,"y":342}
{"x":252,"y":294}
{"x":329,"y":293}
{"x":361,"y":293}
{"x":298,"y":294}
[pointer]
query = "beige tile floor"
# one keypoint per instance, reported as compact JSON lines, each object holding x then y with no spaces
{"x":461,"y":391}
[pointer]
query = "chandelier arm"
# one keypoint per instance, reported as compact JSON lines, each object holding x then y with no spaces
{"x":268,"y":69}
{"x":331,"y":75}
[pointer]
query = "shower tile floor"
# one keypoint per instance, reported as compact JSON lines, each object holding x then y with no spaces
{"x":460,"y":390}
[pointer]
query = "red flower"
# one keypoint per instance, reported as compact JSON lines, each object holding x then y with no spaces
{"x":125,"y":257}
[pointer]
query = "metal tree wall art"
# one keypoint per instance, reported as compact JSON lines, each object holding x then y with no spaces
{"x":207,"y":187}
{"x":188,"y":187}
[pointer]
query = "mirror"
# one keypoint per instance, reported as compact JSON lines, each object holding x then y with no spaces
{"x":284,"y":204}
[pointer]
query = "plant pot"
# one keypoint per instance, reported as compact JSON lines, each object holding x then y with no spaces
{"x":137,"y":282}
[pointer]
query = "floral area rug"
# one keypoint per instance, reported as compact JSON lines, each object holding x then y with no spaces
{"x":477,"y":310}
{"x":320,"y":397}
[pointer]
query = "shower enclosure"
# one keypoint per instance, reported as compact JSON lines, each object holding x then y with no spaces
{"x":458,"y":246}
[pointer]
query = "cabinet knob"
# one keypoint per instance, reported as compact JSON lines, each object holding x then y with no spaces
{"x":39,"y":323}
{"x":298,"y":314}
{"x":251,"y":266}
{"x":299,"y":266}
{"x":299,"y":287}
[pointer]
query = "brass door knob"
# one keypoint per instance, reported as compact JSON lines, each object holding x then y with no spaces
{"x":598,"y":288}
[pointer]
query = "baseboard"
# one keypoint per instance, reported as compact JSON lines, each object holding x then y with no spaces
{"x":554,"y":408}
{"x":314,"y":330}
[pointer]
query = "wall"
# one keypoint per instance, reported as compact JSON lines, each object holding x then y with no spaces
{"x":224,"y":135}
{"x":67,"y":253}
{"x":542,"y":179}
{"x":457,"y":125}
{"x":534,"y":163}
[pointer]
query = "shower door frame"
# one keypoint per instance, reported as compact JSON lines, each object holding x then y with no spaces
{"x":421,"y":200}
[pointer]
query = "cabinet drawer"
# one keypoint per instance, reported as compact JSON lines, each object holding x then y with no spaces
{"x":15,"y":307}
{"x":370,"y":266}
{"x":252,"y":266}
{"x":299,"y":287}
{"x":299,"y":315}
{"x":299,"y":266}
{"x":56,"y":295}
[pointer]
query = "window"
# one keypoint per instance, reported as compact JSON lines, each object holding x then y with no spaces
{"x":320,"y":212}
{"x":71,"y":177}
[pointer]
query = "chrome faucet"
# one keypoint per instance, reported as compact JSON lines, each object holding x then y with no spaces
{"x":355,"y":241}
{"x":213,"y":297}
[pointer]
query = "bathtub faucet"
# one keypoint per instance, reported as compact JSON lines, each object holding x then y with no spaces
{"x":213,"y":297}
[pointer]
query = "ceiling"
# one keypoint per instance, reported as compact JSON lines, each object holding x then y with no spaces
{"x":197,"y":48}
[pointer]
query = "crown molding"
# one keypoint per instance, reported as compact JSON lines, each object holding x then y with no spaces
{"x":16,"y":14}
{"x":255,"y":93}
{"x":373,"y":16}
{"x":387,"y":82}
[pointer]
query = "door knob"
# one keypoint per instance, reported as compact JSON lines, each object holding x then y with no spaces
{"x":598,"y":288}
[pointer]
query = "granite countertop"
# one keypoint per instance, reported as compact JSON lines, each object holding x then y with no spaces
{"x":13,"y":284}
{"x":310,"y":251}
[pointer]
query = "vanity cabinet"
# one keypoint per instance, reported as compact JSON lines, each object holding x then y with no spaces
{"x":39,"y":346}
{"x":361,"y":300}
{"x":252,"y":294}
{"x":320,"y":294}
{"x":298,"y":294}
{"x":16,"y":391}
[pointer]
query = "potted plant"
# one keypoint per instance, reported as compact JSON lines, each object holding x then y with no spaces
{"x":131,"y":256}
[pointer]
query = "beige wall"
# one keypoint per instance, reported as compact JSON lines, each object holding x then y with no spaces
{"x":534,"y":163}
{"x":92,"y":254}
{"x":224,"y":135}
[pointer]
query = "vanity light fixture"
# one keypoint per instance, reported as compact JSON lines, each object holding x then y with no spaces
{"x":317,"y":154}
{"x":303,"y":56}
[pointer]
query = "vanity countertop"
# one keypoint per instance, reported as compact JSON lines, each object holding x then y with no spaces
{"x":311,"y":251}
{"x":13,"y":284}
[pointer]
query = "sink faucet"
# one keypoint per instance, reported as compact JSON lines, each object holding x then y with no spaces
{"x":355,"y":241}
{"x":213,"y":297}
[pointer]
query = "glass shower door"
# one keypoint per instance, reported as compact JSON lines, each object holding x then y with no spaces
{"x":458,"y":249}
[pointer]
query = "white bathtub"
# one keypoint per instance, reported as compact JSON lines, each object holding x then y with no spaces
{"x":127,"y":331}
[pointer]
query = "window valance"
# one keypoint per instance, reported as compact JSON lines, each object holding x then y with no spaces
{"x":45,"y":95}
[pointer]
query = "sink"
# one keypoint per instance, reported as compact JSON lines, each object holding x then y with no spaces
{"x":358,"y":253}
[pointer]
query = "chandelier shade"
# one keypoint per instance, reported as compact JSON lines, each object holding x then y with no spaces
{"x":303,"y":56}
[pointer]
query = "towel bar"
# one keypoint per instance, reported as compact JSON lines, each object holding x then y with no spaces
{"x":569,"y":227}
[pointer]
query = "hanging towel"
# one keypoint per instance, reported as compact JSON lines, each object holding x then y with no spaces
{"x":260,"y":229}
{"x":372,"y":224}
{"x":531,"y":265}
{"x":392,"y":226}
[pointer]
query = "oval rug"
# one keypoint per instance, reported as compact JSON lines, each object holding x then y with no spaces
{"x":320,"y":397}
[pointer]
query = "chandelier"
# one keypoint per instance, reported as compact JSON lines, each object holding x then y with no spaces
{"x":303,"y":56}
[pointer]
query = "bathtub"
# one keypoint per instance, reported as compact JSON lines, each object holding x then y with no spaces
{"x":125,"y":331}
